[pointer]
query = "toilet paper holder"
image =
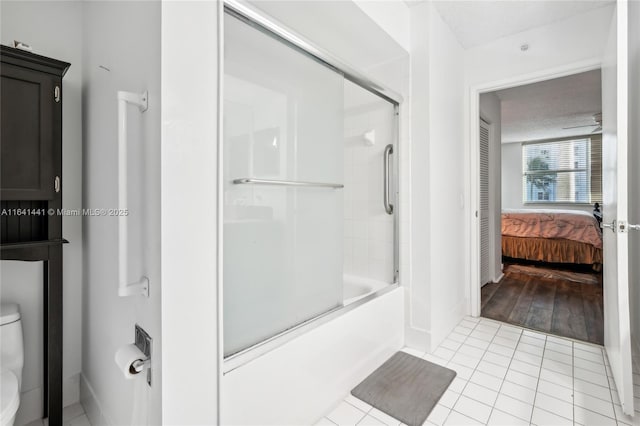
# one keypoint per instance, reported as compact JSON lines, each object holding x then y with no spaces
{"x":139,"y":365}
{"x":143,"y":342}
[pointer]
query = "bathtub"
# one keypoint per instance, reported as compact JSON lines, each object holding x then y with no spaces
{"x":356,"y":288}
{"x":300,"y":380}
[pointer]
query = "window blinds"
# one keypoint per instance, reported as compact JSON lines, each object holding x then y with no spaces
{"x":563,"y":171}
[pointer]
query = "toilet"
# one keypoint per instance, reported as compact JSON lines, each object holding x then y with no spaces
{"x":11,"y":362}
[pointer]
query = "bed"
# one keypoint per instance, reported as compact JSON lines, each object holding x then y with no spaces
{"x":554,"y":236}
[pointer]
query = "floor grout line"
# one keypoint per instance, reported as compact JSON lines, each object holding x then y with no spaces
{"x":467,"y":380}
{"x":504,"y":379}
{"x":535,"y":395}
{"x":573,"y":384}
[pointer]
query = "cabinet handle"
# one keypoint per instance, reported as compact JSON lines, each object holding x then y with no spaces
{"x":56,"y":184}
{"x":56,"y":94}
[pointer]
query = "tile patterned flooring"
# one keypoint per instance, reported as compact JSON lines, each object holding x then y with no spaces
{"x":508,"y":375}
{"x":72,"y":415}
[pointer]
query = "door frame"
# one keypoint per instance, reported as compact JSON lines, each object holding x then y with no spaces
{"x":473,"y":159}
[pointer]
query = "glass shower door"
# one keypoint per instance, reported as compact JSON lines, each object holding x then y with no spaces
{"x":283,"y":176}
{"x":369,"y":226}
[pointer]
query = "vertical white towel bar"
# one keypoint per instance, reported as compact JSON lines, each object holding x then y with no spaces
{"x":140,"y":287}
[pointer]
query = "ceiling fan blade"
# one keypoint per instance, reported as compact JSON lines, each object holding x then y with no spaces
{"x":576,"y":127}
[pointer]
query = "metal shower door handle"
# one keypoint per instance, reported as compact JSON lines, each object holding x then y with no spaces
{"x":388,"y":150}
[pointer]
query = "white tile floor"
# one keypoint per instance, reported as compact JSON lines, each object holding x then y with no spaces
{"x":72,"y":415}
{"x":511,"y":376}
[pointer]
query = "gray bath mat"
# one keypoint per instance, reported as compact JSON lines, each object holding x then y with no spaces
{"x":405,"y":387}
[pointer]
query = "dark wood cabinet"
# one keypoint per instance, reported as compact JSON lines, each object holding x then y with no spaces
{"x":31,"y":190}
{"x":31,"y":108}
{"x":27,"y":109}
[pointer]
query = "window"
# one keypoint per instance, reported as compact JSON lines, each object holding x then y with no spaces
{"x":563,"y":171}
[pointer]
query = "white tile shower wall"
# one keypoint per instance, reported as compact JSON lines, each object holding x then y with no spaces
{"x":54,"y":30}
{"x":396,"y":75}
{"x":368,"y":230}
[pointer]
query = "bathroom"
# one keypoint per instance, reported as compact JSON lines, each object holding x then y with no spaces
{"x":404,"y":79}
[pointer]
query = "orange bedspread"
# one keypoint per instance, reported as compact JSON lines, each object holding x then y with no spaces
{"x":574,"y":226}
{"x":551,"y":250}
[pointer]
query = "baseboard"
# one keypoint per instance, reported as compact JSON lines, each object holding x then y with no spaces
{"x":71,"y":390}
{"x":499,"y":277}
{"x":417,"y":339}
{"x":31,"y":406}
{"x":447,"y":323}
{"x":92,"y":407}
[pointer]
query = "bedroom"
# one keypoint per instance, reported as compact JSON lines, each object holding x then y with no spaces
{"x":543,"y":153}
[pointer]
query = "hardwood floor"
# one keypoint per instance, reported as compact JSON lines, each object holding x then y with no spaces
{"x":555,"y":306}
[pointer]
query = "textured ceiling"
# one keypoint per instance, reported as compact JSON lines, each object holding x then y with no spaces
{"x":481,"y":21}
{"x":540,"y":110}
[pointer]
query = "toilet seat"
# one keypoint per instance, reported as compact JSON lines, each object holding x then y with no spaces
{"x":9,"y":397}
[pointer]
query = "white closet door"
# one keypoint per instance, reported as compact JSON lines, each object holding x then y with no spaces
{"x":484,"y":203}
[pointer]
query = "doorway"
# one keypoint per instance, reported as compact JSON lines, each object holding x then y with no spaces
{"x":540,"y":177}
{"x":616,"y":110}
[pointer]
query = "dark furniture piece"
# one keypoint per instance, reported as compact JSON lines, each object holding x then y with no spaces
{"x":31,"y":190}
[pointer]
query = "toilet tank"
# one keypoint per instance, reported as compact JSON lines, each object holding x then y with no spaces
{"x":11,"y":344}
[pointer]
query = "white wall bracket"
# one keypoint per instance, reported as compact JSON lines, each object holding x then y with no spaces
{"x":141,"y":100}
{"x":140,"y":287}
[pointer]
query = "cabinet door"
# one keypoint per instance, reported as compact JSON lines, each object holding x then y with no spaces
{"x":28,"y":106}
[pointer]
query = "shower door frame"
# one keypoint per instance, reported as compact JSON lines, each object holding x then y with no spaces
{"x":280,"y":32}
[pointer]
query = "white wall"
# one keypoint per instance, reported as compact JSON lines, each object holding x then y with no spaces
{"x":437,"y":287}
{"x":392,"y":17}
{"x":490,"y":110}
{"x":446,"y":170}
{"x":512,"y":176}
{"x":54,"y":30}
{"x":418,"y":296}
{"x":124,"y":38}
{"x":190,"y":273}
